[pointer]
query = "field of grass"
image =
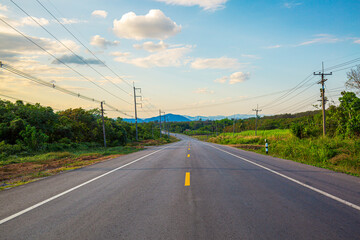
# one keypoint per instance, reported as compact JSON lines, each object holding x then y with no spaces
{"x":15,"y":170}
{"x":262,"y":133}
{"x":338,"y":154}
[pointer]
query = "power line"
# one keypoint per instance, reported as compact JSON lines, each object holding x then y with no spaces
{"x":257,"y":110}
{"x":343,"y":64}
{"x":80,"y":58}
{"x":228,"y":102}
{"x":58,"y":59}
{"x":286,"y":101}
{"x":16,"y":99}
{"x":322,"y":82}
{"x":303,"y":102}
{"x":83,"y":44}
{"x":53,"y":86}
{"x":292,"y":90}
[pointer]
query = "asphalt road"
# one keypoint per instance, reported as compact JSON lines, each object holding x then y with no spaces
{"x":186,"y":190}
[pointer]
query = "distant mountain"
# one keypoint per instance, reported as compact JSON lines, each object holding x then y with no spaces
{"x":169,"y":117}
{"x":219,"y":117}
{"x":180,"y":118}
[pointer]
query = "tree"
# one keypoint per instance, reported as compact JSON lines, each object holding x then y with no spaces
{"x":354,"y":79}
{"x":34,"y":139}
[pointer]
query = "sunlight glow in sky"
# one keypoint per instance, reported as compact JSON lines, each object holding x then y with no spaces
{"x":189,"y":57}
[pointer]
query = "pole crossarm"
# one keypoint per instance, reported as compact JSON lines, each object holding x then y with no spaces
{"x":322,"y":92}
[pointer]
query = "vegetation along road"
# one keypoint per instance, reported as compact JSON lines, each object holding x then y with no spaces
{"x":186,"y":190}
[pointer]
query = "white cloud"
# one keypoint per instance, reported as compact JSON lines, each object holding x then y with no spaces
{"x":357,"y":41}
{"x":222,"y":79}
{"x":210,"y":5}
{"x":250,"y":56}
{"x":204,"y":90}
{"x":234,"y":78}
{"x":274,"y":46}
{"x":76,"y":59}
{"x":15,"y":45}
{"x":99,"y":13}
{"x":102,"y":42}
{"x":3,"y":8}
{"x":172,"y":57}
{"x":27,"y":21}
{"x":151,"y":46}
{"x":215,"y":63}
{"x":320,"y":38}
{"x":238,"y":77}
{"x":153,"y":25}
{"x":72,"y":21}
{"x":121,"y":56}
{"x":292,"y":4}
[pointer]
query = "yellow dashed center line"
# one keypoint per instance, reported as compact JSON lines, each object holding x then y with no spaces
{"x":187,"y":179}
{"x":189,"y":155}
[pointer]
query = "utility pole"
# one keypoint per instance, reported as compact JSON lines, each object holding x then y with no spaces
{"x":256,"y":110}
{"x":234,"y":126}
{"x":135,"y":105}
{"x":165,"y":124}
{"x":102,"y":116}
{"x":160,"y":112}
{"x":322,"y":91}
{"x":168,"y":127}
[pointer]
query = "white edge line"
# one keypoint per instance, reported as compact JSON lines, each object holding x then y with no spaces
{"x":74,"y":188}
{"x":294,"y":180}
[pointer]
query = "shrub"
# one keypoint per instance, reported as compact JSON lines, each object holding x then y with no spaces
{"x":8,"y":149}
{"x":34,"y":139}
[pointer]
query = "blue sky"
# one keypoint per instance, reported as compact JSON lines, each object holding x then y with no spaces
{"x":209,"y":57}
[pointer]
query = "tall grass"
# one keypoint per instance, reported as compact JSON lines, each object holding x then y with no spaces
{"x":337,"y":154}
{"x":262,"y":133}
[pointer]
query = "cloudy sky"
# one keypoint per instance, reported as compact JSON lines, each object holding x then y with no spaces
{"x":191,"y":57}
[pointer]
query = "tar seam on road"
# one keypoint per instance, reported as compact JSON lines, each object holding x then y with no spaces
{"x":295,"y":181}
{"x":74,"y":188}
{"x":187,"y":179}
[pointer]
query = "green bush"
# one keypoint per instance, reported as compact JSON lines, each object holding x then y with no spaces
{"x":33,"y":139}
{"x":8,"y":149}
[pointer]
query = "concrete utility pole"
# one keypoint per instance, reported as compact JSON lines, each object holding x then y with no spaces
{"x":160,"y":112}
{"x":234,"y":126}
{"x":103,"y":123}
{"x":322,"y":91}
{"x":135,"y":104}
{"x":168,"y":126}
{"x":256,"y":110}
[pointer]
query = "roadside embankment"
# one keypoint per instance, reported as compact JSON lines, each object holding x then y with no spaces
{"x":337,"y":154}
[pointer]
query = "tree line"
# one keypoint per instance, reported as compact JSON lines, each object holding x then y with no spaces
{"x":32,"y":127}
{"x":342,"y":120}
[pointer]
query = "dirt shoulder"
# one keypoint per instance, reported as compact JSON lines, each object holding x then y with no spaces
{"x":22,"y":170}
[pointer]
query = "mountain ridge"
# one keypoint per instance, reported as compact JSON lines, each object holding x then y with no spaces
{"x":185,"y":118}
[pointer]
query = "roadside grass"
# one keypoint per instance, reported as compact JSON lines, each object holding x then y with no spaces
{"x":16,"y":171}
{"x":337,"y":154}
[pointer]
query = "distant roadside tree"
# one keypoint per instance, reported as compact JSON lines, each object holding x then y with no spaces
{"x":354,"y":79}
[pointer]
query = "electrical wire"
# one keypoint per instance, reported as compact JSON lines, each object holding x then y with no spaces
{"x":83,"y":44}
{"x":16,"y":99}
{"x":80,"y":58}
{"x":57,"y":58}
{"x":52,"y":85}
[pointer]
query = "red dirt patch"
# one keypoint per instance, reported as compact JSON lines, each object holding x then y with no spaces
{"x":29,"y":170}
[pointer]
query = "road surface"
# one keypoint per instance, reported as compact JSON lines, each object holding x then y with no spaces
{"x":186,"y":190}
